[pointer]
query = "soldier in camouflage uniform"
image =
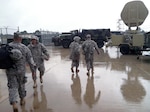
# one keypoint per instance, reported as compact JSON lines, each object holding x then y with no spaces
{"x":16,"y":75}
{"x":39,"y":53}
{"x":75,"y":53}
{"x":88,"y":47}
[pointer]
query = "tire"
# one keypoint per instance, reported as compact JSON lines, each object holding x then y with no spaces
{"x":124,"y":49}
{"x":56,"y":43}
{"x":65,"y":43}
{"x":100,"y":44}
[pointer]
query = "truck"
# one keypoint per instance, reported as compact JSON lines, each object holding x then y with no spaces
{"x":100,"y":36}
{"x":133,"y":40}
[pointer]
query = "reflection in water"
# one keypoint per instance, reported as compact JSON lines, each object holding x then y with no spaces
{"x":132,"y":90}
{"x":23,"y":108}
{"x":40,"y":106}
{"x":76,"y":89}
{"x":89,"y":96}
{"x":0,"y":91}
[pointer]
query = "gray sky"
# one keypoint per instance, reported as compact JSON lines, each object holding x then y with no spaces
{"x":63,"y":15}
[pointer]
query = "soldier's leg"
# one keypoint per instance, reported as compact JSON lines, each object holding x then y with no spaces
{"x":21,"y":89}
{"x":15,"y":108}
{"x":41,"y":70}
{"x":88,"y":67}
{"x":35,"y":84}
{"x":34,"y":77}
{"x":91,"y":65}
{"x":72,"y":65}
{"x":77,"y":65}
{"x":13,"y":90}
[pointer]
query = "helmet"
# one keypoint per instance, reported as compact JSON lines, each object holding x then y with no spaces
{"x":15,"y":54}
{"x":76,"y":38}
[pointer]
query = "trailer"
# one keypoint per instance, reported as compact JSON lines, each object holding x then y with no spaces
{"x":133,"y":40}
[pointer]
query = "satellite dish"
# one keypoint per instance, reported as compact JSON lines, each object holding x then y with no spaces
{"x":134,"y":13}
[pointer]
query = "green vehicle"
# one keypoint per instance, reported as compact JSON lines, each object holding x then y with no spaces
{"x":66,"y":39}
{"x":100,"y":36}
{"x":25,"y":39}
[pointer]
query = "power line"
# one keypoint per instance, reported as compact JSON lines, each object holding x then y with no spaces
{"x":7,"y":28}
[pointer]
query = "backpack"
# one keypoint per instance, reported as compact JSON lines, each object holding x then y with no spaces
{"x":76,"y":50}
{"x":88,"y":48}
{"x":5,"y":59}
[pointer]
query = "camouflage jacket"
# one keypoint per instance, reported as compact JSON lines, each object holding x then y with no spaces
{"x":20,"y":65}
{"x":89,"y":46}
{"x":75,"y":50}
{"x":39,"y":52}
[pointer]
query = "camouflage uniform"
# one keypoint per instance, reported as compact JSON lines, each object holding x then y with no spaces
{"x":39,"y":53}
{"x":88,"y":47}
{"x":16,"y":76}
{"x":75,"y":52}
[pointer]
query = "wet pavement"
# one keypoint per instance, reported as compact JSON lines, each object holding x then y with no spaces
{"x":120,"y":84}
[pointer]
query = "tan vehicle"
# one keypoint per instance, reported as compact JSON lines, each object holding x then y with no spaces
{"x":133,"y":15}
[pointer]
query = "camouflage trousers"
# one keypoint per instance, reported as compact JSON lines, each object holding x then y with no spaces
{"x":75,"y":63}
{"x":16,"y":85}
{"x":89,"y":61}
{"x":40,"y":68}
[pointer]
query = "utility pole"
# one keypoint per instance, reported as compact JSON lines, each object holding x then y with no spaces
{"x":6,"y":28}
{"x":18,"y":28}
{"x":1,"y":31}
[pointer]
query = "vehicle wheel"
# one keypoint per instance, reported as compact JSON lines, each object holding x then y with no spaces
{"x":100,"y":44}
{"x":65,"y":44}
{"x":124,"y":49}
{"x":56,"y":43}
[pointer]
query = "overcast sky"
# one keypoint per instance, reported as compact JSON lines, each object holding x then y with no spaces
{"x":63,"y":15}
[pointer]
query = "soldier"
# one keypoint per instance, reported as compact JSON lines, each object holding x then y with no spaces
{"x":16,"y":75}
{"x":39,"y":53}
{"x":88,"y":47}
{"x":75,"y":53}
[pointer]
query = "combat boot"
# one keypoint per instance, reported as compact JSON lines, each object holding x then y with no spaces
{"x":22,"y":101}
{"x":72,"y":70}
{"x":35,"y":84}
{"x":15,"y":108}
{"x":88,"y":73}
{"x":41,"y":80}
{"x":77,"y":70}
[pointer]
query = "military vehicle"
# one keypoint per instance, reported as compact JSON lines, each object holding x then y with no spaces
{"x":56,"y":40}
{"x":134,"y":39}
{"x":66,"y":38}
{"x":100,"y":36}
{"x":25,"y":39}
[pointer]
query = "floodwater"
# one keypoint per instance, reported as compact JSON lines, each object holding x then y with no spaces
{"x":121,"y":83}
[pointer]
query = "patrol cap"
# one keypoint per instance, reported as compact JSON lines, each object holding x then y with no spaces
{"x":76,"y":38}
{"x":33,"y":37}
{"x":88,"y":36}
{"x":17,"y":35}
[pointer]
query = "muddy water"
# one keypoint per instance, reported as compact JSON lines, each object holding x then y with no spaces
{"x":120,"y":84}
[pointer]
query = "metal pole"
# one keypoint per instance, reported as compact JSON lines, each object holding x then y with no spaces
{"x":18,"y":28}
{"x":1,"y":31}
